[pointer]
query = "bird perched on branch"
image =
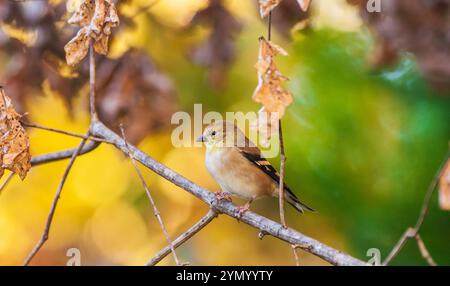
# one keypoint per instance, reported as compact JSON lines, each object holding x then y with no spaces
{"x":240,"y":169}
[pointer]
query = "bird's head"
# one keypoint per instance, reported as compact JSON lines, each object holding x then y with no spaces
{"x":221,"y":134}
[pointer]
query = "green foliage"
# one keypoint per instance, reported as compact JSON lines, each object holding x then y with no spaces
{"x":366,"y":144}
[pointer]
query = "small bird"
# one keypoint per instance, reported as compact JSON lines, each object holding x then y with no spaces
{"x":240,"y":169}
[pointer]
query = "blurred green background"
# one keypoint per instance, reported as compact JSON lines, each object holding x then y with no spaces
{"x":362,"y":146}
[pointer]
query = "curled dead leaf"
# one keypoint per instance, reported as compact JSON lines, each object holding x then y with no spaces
{"x":96,"y":19}
{"x":14,"y":144}
{"x":304,"y":4}
{"x":444,"y":187}
{"x":266,"y":6}
{"x":269,"y":91}
{"x":267,"y":125}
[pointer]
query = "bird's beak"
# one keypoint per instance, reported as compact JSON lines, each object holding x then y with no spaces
{"x":201,"y":139}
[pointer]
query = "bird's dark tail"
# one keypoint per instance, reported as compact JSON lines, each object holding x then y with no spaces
{"x":292,"y":199}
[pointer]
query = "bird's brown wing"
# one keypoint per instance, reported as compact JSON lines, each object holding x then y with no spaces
{"x":253,"y":154}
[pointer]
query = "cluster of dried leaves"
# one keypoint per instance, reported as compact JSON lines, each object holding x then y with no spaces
{"x":45,"y":60}
{"x":420,"y":27}
{"x":269,"y":91}
{"x":96,"y":18}
{"x":14,"y":145}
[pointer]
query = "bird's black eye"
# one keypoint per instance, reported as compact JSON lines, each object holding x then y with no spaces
{"x":213,"y":133}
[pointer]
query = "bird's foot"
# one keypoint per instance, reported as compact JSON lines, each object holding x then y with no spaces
{"x":223,"y":196}
{"x":243,"y":209}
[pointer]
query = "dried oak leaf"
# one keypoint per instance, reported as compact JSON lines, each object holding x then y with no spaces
{"x":267,"y":124}
{"x":96,"y":18}
{"x":269,"y":91}
{"x":444,"y":187}
{"x":14,"y":144}
{"x":304,"y":4}
{"x":266,"y":6}
{"x":289,"y":18}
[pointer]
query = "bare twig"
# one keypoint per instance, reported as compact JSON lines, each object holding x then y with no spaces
{"x":5,"y":183}
{"x":282,"y":159}
{"x":149,"y":195}
{"x":424,"y":251}
{"x":61,"y":155}
{"x":259,"y":222}
{"x":94,"y":116}
{"x":413,"y":232}
{"x":281,"y":185}
{"x":46,"y":232}
{"x":68,"y":133}
{"x":185,"y":236}
{"x":296,"y":257}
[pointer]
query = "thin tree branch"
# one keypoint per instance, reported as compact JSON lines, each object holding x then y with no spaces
{"x":5,"y":183}
{"x":424,"y":251}
{"x":93,"y":111}
{"x":204,"y":221}
{"x":149,"y":195}
{"x":46,"y":232}
{"x":282,"y":160}
{"x":281,"y":185}
{"x":413,"y":232}
{"x":409,"y":233}
{"x":296,"y":257}
{"x":259,"y":222}
{"x":61,"y":155}
{"x":68,"y":133}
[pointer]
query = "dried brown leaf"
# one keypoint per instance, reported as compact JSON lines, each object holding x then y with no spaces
{"x":269,"y":91}
{"x":77,"y":48}
{"x":14,"y":144}
{"x":304,"y":4}
{"x":267,"y":125}
{"x":444,"y":188}
{"x":265,"y":6}
{"x":96,"y":19}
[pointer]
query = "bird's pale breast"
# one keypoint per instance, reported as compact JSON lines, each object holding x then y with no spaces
{"x":237,"y":175}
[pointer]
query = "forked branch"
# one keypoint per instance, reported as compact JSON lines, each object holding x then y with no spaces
{"x":413,"y":232}
{"x":185,"y":236}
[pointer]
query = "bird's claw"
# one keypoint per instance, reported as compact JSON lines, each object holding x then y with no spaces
{"x":243,"y":209}
{"x":223,"y":196}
